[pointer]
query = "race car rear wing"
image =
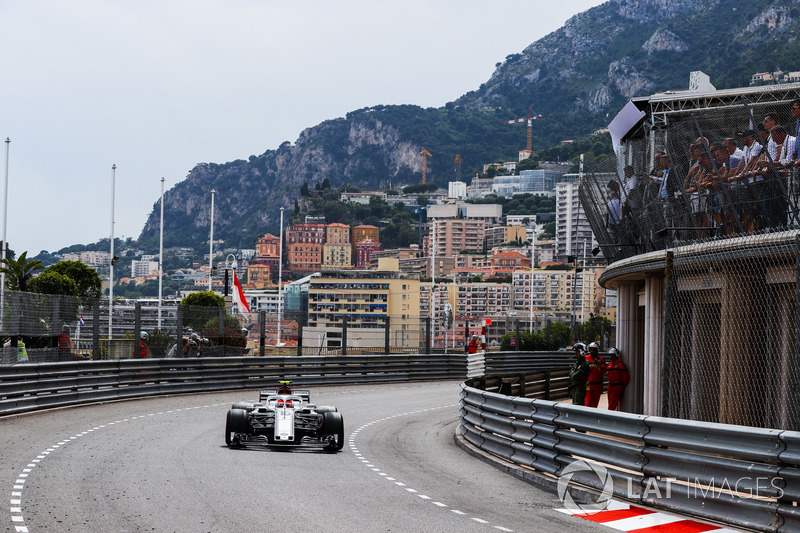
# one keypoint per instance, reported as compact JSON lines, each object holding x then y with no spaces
{"x":304,"y":394}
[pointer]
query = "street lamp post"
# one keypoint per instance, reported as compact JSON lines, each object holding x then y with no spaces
{"x":111,"y":263}
{"x":280,"y":282}
{"x":211,"y":243}
{"x":5,"y":219}
{"x":533,"y":267}
{"x":161,"y":256}
{"x":229,"y":265}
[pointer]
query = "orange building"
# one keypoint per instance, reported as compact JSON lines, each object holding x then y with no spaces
{"x":510,"y":261}
{"x":365,"y":232}
{"x":337,"y":233}
{"x":304,"y":247}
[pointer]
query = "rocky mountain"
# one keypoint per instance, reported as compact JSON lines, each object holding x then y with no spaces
{"x":577,"y":77}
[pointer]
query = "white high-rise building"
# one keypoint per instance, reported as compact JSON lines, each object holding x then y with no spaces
{"x":573,"y":233}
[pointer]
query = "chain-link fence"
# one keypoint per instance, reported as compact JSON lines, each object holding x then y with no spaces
{"x":45,"y":328}
{"x":731,"y":353}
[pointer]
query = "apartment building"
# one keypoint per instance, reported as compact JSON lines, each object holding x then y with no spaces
{"x":362,"y":253}
{"x":143,"y":269}
{"x":451,"y":236}
{"x":366,"y":300}
{"x":497,"y":235}
{"x":304,"y":247}
{"x":573,"y":233}
{"x":92,"y":259}
{"x":412,"y":260}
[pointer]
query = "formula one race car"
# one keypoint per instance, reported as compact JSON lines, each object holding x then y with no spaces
{"x":284,"y":417}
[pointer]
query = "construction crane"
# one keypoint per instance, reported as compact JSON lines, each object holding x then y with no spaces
{"x":457,"y":167}
{"x":529,"y":119}
{"x":425,"y":155}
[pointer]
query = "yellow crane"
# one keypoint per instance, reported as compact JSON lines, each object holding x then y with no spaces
{"x":457,"y":167}
{"x":425,"y":155}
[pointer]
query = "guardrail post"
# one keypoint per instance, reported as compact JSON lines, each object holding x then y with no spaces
{"x":179,"y":328}
{"x":137,"y":327}
{"x":221,"y":320}
{"x":669,"y":281}
{"x":428,"y":335}
{"x":262,"y":335}
{"x":299,"y":341}
{"x":344,"y":335}
{"x":796,"y":399}
{"x":96,"y":330}
{"x":386,"y":336}
{"x":547,"y":332}
{"x":547,"y":384}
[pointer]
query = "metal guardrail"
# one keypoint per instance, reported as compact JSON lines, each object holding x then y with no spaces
{"x":28,"y":387}
{"x":741,"y":476}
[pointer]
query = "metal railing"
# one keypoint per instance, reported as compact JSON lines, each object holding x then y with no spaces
{"x":741,"y":476}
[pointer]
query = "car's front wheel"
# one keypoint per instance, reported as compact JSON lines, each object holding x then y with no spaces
{"x":333,"y":425}
{"x":237,"y":422}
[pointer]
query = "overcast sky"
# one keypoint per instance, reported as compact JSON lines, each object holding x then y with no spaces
{"x":158,"y":86}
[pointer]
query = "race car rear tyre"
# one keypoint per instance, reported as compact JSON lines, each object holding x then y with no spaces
{"x":247,"y":406}
{"x":333,"y":424}
{"x":326,"y":408}
{"x":237,"y":422}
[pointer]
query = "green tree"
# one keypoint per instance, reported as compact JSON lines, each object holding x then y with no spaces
{"x":200,"y":307}
{"x":20,"y":271}
{"x":86,"y":279}
{"x":51,"y":282}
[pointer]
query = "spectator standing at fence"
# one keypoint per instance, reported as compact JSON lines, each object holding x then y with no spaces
{"x":614,"y":216}
{"x":594,"y":382}
{"x":668,"y":186}
{"x":472,"y":346}
{"x":578,"y":375}
{"x":143,"y":345}
{"x":745,"y":178}
{"x":735,"y":154}
{"x":618,"y":378}
{"x":770,"y":121}
{"x":64,"y":344}
{"x":22,"y":352}
{"x":728,"y":215}
{"x":192,"y":347}
{"x":796,"y":116}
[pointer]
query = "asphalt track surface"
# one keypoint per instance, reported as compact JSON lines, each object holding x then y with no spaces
{"x":161,"y":465}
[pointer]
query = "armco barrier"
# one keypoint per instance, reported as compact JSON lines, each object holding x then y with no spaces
{"x":740,"y":476}
{"x":28,"y":387}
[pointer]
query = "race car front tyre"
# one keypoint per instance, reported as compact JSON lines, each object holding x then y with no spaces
{"x":237,"y":422}
{"x":326,"y":408}
{"x":247,"y":406}
{"x":333,"y":425}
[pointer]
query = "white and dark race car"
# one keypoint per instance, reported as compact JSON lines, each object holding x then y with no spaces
{"x":284,"y":417}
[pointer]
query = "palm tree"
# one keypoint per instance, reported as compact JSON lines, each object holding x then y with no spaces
{"x":19,"y":271}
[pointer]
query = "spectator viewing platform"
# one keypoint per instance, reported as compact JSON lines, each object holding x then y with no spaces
{"x":698,"y":215}
{"x":693,"y":166}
